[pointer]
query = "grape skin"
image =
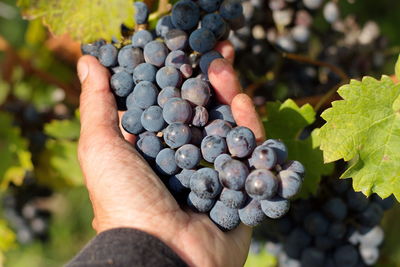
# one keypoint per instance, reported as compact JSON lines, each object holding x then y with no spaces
{"x":263,"y":157}
{"x":168,"y":77}
{"x":224,"y":217}
{"x":252,"y":214}
{"x":261,"y":184}
{"x":107,"y":55}
{"x":275,"y":207}
{"x":129,"y":57}
{"x":166,"y":94}
{"x":220,"y":160}
{"x":280,"y":150}
{"x":241,"y":142}
{"x":233,"y":199}
{"x":222,"y":112}
{"x":209,"y":5}
{"x":145,"y":94}
{"x":164,"y":25}
{"x":200,"y":204}
{"x":196,"y":91}
{"x":205,"y":183}
{"x":144,"y":72}
{"x":131,"y":121}
{"x":289,"y":184}
{"x":177,"y":59}
{"x":141,"y":38}
{"x":233,"y":174}
{"x":164,"y":164}
{"x":202,"y":40}
{"x":200,"y":117}
{"x":177,"y":135}
{"x":177,"y":110}
{"x":149,"y":146}
{"x":122,"y":83}
{"x":176,"y":39}
{"x":188,"y":156}
{"x":141,"y":12}
{"x":212,"y":146}
{"x":215,"y":23}
{"x":218,"y":127}
{"x":207,"y":58}
{"x":152,"y":119}
{"x":155,"y":53}
{"x":185,"y":15}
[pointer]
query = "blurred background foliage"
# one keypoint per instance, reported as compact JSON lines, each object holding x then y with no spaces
{"x":39,"y":129}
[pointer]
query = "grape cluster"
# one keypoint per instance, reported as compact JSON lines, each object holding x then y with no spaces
{"x":23,"y":208}
{"x":338,"y":227}
{"x":192,"y":141}
{"x":314,"y":28}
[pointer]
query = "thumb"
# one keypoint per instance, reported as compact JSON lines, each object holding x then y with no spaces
{"x":98,"y":110}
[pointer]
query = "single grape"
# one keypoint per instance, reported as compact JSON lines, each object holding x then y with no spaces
{"x":220,"y":160}
{"x":177,"y":135}
{"x":336,"y":209}
{"x":263,"y":157}
{"x":175,"y":186}
{"x":345,"y":255}
{"x":241,"y":142}
{"x":168,"y":77}
{"x":222,"y":112}
{"x":149,"y":146}
{"x":152,"y":119}
{"x":155,"y":53}
{"x":196,"y":91}
{"x":164,"y":164}
{"x":209,"y":5}
{"x":185,"y":15}
{"x":212,"y":146}
{"x":296,"y":166}
{"x":202,"y":40}
{"x":188,"y":156}
{"x":92,"y":49}
{"x":356,"y":200}
{"x":280,"y":149}
{"x":176,"y":39}
{"x":108,"y":55}
{"x":218,"y":127}
{"x":200,"y":117}
{"x":386,"y":203}
{"x":232,"y":198}
{"x":141,"y":38}
{"x":200,"y":204}
{"x":144,"y":72}
{"x":176,"y":59}
{"x":275,"y":207}
{"x":186,"y":70}
{"x":312,"y":257}
{"x":141,"y":12}
{"x":145,"y":94}
{"x":261,"y":184}
{"x":296,"y":241}
{"x":251,"y":214}
{"x":231,"y":9}
{"x":337,"y":230}
{"x":122,"y":83}
{"x":164,"y":25}
{"x":177,"y":110}
{"x":371,"y":216}
{"x":129,"y":57}
{"x":166,"y":94}
{"x":289,"y":184}
{"x":205,"y":183}
{"x":316,"y":224}
{"x":233,"y":174}
{"x":225,"y":218}
{"x":131,"y":121}
{"x":207,"y":58}
{"x":215,"y":23}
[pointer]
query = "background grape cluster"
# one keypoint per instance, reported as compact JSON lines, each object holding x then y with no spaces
{"x":338,"y":227}
{"x":191,"y":140}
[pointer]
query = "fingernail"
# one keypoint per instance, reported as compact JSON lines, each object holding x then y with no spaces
{"x":83,"y":70}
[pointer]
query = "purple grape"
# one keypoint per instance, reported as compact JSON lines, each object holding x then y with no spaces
{"x":200,"y":204}
{"x":218,"y":127}
{"x":233,"y":174}
{"x":164,"y":25}
{"x":185,"y":15}
{"x":186,"y":70}
{"x":215,"y":23}
{"x":202,"y":40}
{"x":252,"y":214}
{"x":225,"y":218}
{"x":184,"y":177}
{"x":241,"y":142}
{"x":231,"y":9}
{"x":131,"y":121}
{"x":141,"y":12}
{"x":177,"y":110}
{"x":122,"y":83}
{"x":296,"y":166}
{"x":197,"y":136}
{"x":168,"y":77}
{"x":176,"y":59}
{"x":212,"y":146}
{"x":144,"y":72}
{"x":196,"y":91}
{"x":205,"y":183}
{"x":232,"y":198}
{"x":166,"y":94}
{"x":275,"y":207}
{"x":220,"y":160}
{"x":164,"y":164}
{"x":149,"y":146}
{"x":155,"y":53}
{"x":141,"y":38}
{"x":280,"y":149}
{"x":222,"y":112}
{"x":108,"y":55}
{"x":261,"y":184}
{"x":152,"y":119}
{"x":129,"y":57}
{"x":177,"y":135}
{"x":263,"y":157}
{"x":207,"y":58}
{"x":145,"y":94}
{"x":188,"y":156}
{"x":209,"y":5}
{"x":316,"y":224}
{"x":176,"y":39}
{"x":289,"y":184}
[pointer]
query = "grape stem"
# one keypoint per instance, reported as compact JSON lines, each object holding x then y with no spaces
{"x":163,"y":8}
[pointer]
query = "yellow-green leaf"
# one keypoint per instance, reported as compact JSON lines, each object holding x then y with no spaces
{"x":85,"y":21}
{"x":7,"y":240}
{"x":364,"y":128}
{"x":63,"y":129}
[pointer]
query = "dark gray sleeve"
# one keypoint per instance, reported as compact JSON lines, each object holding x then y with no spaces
{"x":126,"y":247}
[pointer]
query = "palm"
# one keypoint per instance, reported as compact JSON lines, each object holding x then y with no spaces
{"x":124,"y":190}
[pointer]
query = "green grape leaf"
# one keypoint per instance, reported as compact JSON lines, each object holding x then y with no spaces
{"x":63,"y":129}
{"x":58,"y":165}
{"x":15,"y":157}
{"x":8,"y":238}
{"x":364,"y":128}
{"x":85,"y":21}
{"x":397,"y":68}
{"x":287,"y":121}
{"x":262,"y":259}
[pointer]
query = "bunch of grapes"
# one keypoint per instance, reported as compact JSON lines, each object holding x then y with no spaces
{"x":24,"y":209}
{"x":192,"y":141}
{"x":274,"y":28}
{"x":338,"y":227}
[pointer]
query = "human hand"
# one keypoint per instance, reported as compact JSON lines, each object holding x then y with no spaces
{"x":125,"y":191}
